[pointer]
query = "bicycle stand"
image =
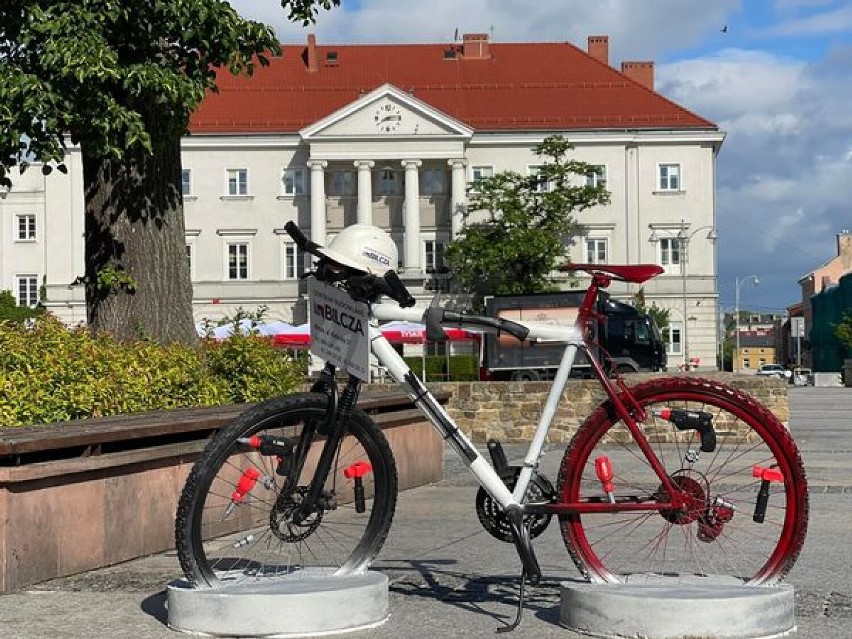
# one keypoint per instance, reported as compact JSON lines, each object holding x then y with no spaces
{"x":531,"y":571}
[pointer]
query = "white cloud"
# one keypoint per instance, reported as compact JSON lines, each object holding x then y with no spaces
{"x":784,"y":172}
{"x":638,"y":30}
{"x":734,"y":82}
{"x":837,"y":20}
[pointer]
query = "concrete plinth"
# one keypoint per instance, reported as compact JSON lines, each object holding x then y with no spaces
{"x":659,"y":610}
{"x":289,"y":606}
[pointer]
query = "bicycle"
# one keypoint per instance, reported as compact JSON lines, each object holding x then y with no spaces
{"x":676,"y":476}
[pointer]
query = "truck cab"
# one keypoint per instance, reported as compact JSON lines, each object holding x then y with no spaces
{"x":629,"y":341}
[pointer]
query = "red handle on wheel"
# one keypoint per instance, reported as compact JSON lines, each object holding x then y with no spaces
{"x":357,"y":470}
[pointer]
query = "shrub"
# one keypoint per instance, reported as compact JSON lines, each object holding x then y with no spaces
{"x":462,"y":368}
{"x":49,"y":373}
{"x":10,"y":311}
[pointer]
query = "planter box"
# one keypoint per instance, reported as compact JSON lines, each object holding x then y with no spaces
{"x":82,"y":495}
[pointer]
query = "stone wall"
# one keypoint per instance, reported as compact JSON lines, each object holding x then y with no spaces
{"x":509,"y":411}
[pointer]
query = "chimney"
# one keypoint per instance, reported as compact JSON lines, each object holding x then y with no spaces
{"x":844,"y":248}
{"x":641,"y":72}
{"x":475,"y":46}
{"x":313,"y":63}
{"x":599,"y":48}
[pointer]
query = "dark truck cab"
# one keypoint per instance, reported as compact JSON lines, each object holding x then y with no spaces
{"x":631,"y":339}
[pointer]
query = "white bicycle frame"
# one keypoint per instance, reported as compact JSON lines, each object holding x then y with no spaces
{"x":484,"y":473}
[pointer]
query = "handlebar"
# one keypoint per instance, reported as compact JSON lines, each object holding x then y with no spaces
{"x":365,"y":286}
{"x":434,"y":317}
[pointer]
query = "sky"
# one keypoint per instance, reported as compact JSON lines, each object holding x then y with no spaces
{"x":774,"y":75}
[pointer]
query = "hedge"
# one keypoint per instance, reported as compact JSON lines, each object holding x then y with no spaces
{"x":49,"y":373}
{"x":462,"y":368}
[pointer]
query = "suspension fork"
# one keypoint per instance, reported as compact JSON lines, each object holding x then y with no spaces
{"x":333,"y":439}
{"x":327,"y":386}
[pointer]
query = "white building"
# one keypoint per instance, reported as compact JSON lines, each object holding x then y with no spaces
{"x":392,"y":135}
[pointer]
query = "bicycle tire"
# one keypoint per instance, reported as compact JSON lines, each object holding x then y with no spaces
{"x":221,"y":539}
{"x":708,"y":538}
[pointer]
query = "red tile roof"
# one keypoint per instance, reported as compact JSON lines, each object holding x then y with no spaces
{"x":519,"y":87}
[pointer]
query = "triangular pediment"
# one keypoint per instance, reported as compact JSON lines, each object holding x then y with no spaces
{"x":387,"y":112}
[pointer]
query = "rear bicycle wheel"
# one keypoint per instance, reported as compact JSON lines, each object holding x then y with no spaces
{"x":715,"y":533}
{"x":238,"y":520}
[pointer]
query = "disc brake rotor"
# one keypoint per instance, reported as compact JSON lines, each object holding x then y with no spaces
{"x":282,"y":521}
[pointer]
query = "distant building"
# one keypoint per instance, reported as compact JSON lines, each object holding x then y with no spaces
{"x":756,"y":349}
{"x":830,"y":306}
{"x":828,"y":274}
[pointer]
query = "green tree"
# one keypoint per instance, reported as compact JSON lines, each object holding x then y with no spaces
{"x":660,"y":315}
{"x":529,"y":221}
{"x":121,"y":79}
{"x":843,"y":330}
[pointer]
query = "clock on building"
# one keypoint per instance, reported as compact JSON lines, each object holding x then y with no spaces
{"x":388,"y":117}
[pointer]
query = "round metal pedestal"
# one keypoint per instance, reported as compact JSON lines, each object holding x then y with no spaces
{"x":658,"y":610}
{"x":289,"y":606}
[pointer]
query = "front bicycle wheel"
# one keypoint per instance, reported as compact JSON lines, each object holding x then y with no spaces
{"x":724,"y":527}
{"x":240,"y":519}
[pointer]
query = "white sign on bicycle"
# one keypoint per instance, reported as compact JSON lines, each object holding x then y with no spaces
{"x":339,"y":329}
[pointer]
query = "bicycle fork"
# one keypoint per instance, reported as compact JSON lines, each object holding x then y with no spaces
{"x":334,"y":430}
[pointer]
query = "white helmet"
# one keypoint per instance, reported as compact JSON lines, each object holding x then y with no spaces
{"x":365,"y":248}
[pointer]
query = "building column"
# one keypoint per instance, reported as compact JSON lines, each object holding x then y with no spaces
{"x":317,"y":233}
{"x":412,"y":216}
{"x":457,"y":195}
{"x":365,"y":191}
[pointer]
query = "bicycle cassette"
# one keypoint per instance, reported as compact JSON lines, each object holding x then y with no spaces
{"x":491,"y":515}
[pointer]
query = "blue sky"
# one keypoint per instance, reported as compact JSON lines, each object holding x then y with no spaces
{"x":778,"y":83}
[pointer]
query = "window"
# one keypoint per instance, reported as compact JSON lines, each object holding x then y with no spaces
{"x":293,"y":265}
{"x":596,"y":251}
{"x":388,"y":182}
{"x":542,"y":184}
{"x":186,"y":182}
{"x":434,"y":255}
{"x":670,"y":177}
{"x":746,"y":363}
{"x":674,"y":341}
{"x":482,"y":172}
{"x":597,"y":176}
{"x":27,"y":290}
{"x":433,"y":181}
{"x":342,"y":183}
{"x":190,"y":256}
{"x":237,"y":181}
{"x":293,"y":182}
{"x":238,"y":264}
{"x":27,"y":227}
{"x":669,"y":252}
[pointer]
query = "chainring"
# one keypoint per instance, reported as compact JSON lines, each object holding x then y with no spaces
{"x":491,"y":514}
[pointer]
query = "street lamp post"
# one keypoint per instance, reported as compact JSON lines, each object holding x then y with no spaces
{"x":739,"y":282}
{"x":683,"y":246}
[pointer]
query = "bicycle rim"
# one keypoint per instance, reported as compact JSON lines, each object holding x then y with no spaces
{"x":227,"y":534}
{"x":715,"y":534}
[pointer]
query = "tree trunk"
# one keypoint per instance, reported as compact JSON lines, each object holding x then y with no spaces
{"x":137,"y":276}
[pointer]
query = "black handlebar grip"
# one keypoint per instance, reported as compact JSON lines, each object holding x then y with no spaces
{"x":514,"y":329}
{"x":295,"y":232}
{"x":398,"y":290}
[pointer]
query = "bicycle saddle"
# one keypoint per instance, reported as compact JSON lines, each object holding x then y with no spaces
{"x":634,"y":273}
